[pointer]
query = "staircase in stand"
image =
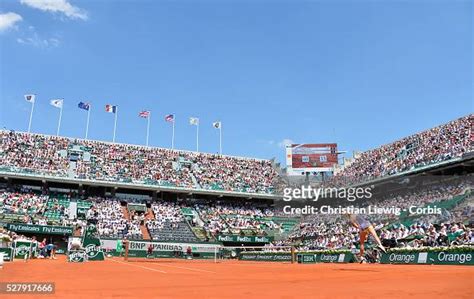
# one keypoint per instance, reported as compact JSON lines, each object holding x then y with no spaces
{"x":149,"y":214}
{"x":145,"y":233}
{"x":125,"y":212}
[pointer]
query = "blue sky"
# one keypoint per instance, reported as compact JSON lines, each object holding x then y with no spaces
{"x":359,"y":73}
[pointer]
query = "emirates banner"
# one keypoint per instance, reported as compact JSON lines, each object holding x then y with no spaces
{"x":40,"y":229}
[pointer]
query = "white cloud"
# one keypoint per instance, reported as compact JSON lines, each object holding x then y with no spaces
{"x":8,"y":20}
{"x":36,"y":41}
{"x":285,"y":142}
{"x":57,"y":6}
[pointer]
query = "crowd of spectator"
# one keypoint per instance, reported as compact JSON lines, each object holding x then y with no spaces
{"x":228,"y":173}
{"x":343,"y":236}
{"x":95,"y":160}
{"x":164,"y":212}
{"x":38,"y":154}
{"x":120,"y":162}
{"x":335,"y":232}
{"x":313,"y":232}
{"x":428,"y":234}
{"x":435,"y":145}
{"x":22,"y":203}
{"x":111,"y":221}
{"x":249,"y":218}
{"x":7,"y":237}
{"x":233,"y":218}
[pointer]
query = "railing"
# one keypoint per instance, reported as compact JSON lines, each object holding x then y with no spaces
{"x":23,"y":173}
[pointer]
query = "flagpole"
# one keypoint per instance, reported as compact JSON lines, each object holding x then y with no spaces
{"x":115,"y":122}
{"x":220,"y":138}
{"x":87,"y":125}
{"x":197,"y":137}
{"x":60,"y":116}
{"x":172,"y":136}
{"x":31,"y":114}
{"x":148,"y":128}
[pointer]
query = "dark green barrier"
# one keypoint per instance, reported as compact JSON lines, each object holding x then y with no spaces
{"x":433,"y":257}
{"x":244,"y":239}
{"x":306,"y":258}
{"x":335,"y":257}
{"x":266,"y":256}
{"x":312,"y":258}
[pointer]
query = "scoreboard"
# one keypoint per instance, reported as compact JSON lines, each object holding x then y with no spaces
{"x":315,"y":157}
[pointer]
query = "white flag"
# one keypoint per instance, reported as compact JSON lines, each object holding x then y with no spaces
{"x":217,"y":124}
{"x":30,"y":98}
{"x":57,"y":103}
{"x":194,"y":121}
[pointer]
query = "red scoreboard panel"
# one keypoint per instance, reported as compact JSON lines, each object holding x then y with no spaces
{"x":311,"y":157}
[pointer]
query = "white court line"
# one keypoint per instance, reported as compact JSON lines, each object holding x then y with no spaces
{"x":143,"y":267}
{"x":186,"y":268}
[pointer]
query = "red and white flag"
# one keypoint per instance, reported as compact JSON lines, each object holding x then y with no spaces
{"x":169,"y":118}
{"x":144,"y":114}
{"x":111,"y":108}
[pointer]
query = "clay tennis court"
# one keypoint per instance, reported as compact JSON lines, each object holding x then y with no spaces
{"x":170,"y":278}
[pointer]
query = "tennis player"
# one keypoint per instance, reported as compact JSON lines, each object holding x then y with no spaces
{"x":365,"y":227}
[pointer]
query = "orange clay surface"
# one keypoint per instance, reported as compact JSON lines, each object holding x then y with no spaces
{"x":170,"y":278}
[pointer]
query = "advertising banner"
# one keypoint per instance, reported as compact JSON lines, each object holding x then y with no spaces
{"x":139,"y":249}
{"x":433,"y":257}
{"x":40,"y":229}
{"x":244,"y":239}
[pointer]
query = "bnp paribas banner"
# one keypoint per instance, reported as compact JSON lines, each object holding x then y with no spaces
{"x":439,"y":258}
{"x":91,"y":244}
{"x":40,"y":229}
{"x":139,"y":249}
{"x":244,"y":239}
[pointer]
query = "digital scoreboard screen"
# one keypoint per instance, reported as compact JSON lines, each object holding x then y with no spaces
{"x":316,"y":157}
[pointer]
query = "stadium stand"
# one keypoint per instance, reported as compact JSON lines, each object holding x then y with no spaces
{"x":204,"y":219}
{"x":432,"y":146}
{"x":169,"y":224}
{"x":313,"y":232}
{"x":111,"y":222}
{"x":101,"y":161}
{"x":330,"y":231}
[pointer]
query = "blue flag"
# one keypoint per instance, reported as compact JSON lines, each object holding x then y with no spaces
{"x":85,"y":106}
